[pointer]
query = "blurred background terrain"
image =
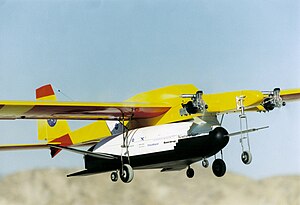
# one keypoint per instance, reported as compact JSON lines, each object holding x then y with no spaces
{"x":50,"y":186}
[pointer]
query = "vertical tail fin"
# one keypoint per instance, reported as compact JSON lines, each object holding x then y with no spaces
{"x":53,"y":130}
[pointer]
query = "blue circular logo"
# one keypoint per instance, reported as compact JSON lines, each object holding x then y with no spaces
{"x":116,"y":126}
{"x":52,"y":122}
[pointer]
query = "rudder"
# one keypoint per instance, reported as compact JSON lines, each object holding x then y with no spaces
{"x":52,"y":130}
{"x":58,"y":131}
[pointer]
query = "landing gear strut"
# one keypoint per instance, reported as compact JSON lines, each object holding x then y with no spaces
{"x":126,"y":172}
{"x":244,"y":139}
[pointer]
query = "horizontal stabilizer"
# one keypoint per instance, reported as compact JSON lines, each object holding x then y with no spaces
{"x":83,"y":173}
{"x":78,"y":151}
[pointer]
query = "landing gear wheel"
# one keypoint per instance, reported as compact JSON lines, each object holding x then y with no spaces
{"x":205,"y":163}
{"x":219,"y":167}
{"x":246,"y":157}
{"x":190,"y":173}
{"x":114,"y":176}
{"x":127,"y":174}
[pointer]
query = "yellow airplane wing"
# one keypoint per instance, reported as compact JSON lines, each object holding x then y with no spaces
{"x":158,"y":106}
{"x":155,"y":107}
{"x":24,"y":146}
{"x":253,"y":100}
{"x":227,"y":102}
{"x":79,"y":110}
{"x":55,"y":130}
{"x":60,"y":133}
{"x":290,"y":95}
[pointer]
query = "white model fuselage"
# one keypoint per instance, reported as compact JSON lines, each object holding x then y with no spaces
{"x":145,"y":140}
{"x":168,"y":147}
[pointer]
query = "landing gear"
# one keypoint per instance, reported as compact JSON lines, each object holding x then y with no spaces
{"x":190,"y":172}
{"x":114,"y":176}
{"x":244,"y":138}
{"x":126,"y":174}
{"x":219,"y":167}
{"x":205,"y":163}
{"x":246,"y":157}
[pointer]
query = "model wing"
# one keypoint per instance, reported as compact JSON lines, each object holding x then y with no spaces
{"x":24,"y":146}
{"x":290,"y":95}
{"x":80,"y":110}
{"x":159,"y":106}
{"x":154,"y":107}
{"x":235,"y":101}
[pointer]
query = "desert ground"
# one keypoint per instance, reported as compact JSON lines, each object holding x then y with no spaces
{"x":51,"y":186}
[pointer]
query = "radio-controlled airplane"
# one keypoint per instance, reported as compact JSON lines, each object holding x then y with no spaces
{"x":169,"y":128}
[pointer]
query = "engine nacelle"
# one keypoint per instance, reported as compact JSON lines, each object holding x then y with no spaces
{"x":196,"y":105}
{"x":273,"y":100}
{"x":268,"y":104}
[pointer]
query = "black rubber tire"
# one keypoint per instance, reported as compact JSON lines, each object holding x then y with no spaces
{"x":219,"y":168}
{"x":205,"y":163}
{"x":128,"y":174}
{"x":114,"y":176}
{"x":190,"y":173}
{"x":246,"y":157}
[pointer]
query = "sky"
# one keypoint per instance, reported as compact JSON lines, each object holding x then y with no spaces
{"x":101,"y":50}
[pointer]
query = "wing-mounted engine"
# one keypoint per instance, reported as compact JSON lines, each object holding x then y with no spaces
{"x":195,"y":105}
{"x":272,"y":100}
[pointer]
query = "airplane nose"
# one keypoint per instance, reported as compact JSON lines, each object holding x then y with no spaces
{"x":219,"y":137}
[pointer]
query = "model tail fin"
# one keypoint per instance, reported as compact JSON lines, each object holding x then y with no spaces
{"x":52,"y":130}
{"x":59,"y":132}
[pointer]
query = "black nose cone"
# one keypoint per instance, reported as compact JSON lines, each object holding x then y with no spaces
{"x":219,"y":137}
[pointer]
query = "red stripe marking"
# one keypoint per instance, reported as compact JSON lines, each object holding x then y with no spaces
{"x":44,"y":91}
{"x":93,"y":111}
{"x":64,"y":141}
